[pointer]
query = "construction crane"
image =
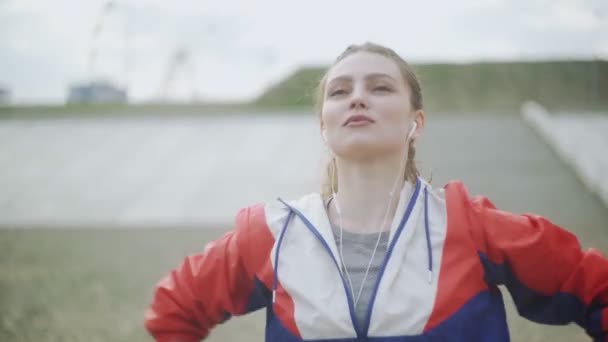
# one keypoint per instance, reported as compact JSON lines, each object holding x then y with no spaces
{"x":97,"y":90}
{"x":181,"y":68}
{"x":109,"y":8}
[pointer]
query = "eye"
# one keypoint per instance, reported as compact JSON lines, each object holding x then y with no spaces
{"x":337,"y":92}
{"x":382,"y":88}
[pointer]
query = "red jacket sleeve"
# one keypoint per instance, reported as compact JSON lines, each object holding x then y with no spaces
{"x":208,"y":288}
{"x":551,"y":279}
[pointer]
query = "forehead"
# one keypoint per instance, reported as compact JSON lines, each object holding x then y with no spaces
{"x":364,"y":63}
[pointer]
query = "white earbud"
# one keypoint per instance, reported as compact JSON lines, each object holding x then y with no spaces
{"x":414,"y":126}
{"x":324,"y":135}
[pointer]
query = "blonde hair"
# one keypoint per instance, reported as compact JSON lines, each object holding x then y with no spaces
{"x":407,"y":72}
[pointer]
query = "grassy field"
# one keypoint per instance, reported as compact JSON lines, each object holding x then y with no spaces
{"x":95,"y":285}
{"x":141,"y":109}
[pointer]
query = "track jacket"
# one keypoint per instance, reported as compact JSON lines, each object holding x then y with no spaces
{"x":446,"y":256}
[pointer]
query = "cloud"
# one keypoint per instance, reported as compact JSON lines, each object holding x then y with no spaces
{"x":240,"y":46}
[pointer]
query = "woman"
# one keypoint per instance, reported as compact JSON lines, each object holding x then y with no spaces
{"x":379,"y":254}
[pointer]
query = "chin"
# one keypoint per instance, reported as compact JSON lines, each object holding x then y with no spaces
{"x":365,"y":150}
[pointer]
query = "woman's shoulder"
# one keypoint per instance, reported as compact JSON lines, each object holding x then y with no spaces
{"x":303,"y":202}
{"x":451,"y":188}
{"x":454,"y":184}
{"x":269,"y":213}
{"x":456,"y":193}
{"x":455,"y":187}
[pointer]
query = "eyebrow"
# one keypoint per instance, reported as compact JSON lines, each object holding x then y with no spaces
{"x":367,"y":77}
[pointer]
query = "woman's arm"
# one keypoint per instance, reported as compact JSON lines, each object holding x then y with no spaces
{"x":551,"y":279}
{"x":208,"y":288}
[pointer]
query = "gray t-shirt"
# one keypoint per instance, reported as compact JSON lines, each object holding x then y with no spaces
{"x":357,"y":251}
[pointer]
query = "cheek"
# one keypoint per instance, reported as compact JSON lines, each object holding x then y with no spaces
{"x":330,"y":113}
{"x":395,"y":122}
{"x":392,"y":135}
{"x":394,"y":114}
{"x":388,"y":103}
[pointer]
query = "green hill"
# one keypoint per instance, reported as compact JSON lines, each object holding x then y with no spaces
{"x":296,"y":90}
{"x":478,"y":87}
{"x":559,"y":85}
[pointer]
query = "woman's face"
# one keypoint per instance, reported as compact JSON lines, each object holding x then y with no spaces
{"x":366,"y":109}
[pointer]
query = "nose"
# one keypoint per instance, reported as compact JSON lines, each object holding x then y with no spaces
{"x":358,"y":100}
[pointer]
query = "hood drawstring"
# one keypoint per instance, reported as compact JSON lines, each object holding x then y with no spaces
{"x":291,"y":214}
{"x":276,"y":256}
{"x":428,"y":235}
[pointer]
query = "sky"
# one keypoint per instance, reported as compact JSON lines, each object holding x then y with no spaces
{"x":234,"y":49}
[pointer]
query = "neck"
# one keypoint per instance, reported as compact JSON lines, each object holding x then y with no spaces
{"x":363,"y":195}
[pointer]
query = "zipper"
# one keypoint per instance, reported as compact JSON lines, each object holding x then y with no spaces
{"x":349,"y":298}
{"x":361,"y":331}
{"x":404,"y":219}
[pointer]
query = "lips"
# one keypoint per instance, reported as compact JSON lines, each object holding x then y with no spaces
{"x":358,"y":119}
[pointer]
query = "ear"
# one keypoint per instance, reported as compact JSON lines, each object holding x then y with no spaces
{"x":323,"y":131}
{"x":419,"y":118}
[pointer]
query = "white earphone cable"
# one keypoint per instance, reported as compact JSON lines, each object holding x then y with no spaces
{"x":382,"y":227}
